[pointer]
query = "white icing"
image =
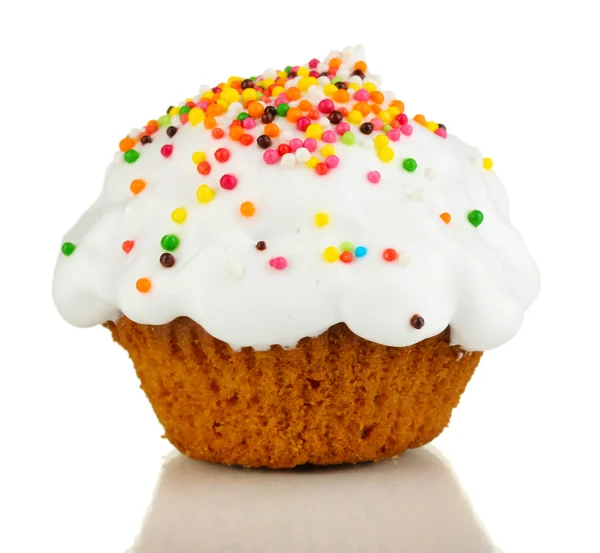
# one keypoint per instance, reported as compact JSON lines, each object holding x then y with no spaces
{"x":477,"y":280}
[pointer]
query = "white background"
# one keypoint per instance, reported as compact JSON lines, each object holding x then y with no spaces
{"x":80,"y":446}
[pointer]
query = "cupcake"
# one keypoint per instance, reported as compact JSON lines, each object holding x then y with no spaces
{"x":299,"y":271}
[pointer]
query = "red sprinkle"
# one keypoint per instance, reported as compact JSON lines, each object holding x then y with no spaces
{"x":222,"y":155}
{"x":246,"y":139}
{"x":218,"y":133}
{"x":127,"y":245}
{"x":204,"y":168}
{"x":321,"y":169}
{"x":167,"y":150}
{"x":346,"y":257}
{"x":228,"y":181}
{"x":283,"y":149}
{"x":390,"y":254}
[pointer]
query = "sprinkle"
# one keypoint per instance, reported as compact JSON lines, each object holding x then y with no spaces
{"x":475,"y":217}
{"x":332,"y":161}
{"x":321,"y":168}
{"x":417,"y":322}
{"x":222,"y":155}
{"x":228,"y":181}
{"x":179,"y":215}
{"x":127,"y":245}
{"x":270,"y":157}
{"x":137,"y":185}
{"x":146,"y":139}
{"x":366,"y":128}
{"x":446,"y":217}
{"x":390,"y":254}
{"x":131,"y":156}
{"x":354,"y":117}
{"x":361,"y":251}
{"x":278,"y":263}
{"x":247,"y":209}
{"x":68,"y":248}
{"x":169,"y":242}
{"x":394,"y":135}
{"x":261,"y":245}
{"x":488,"y":163}
{"x":342,"y":128}
{"x":328,"y":150}
{"x":195,"y":116}
{"x":283,"y":149}
{"x":204,"y":168}
{"x":385,"y":154}
{"x":431,"y":126}
{"x":381,"y":141}
{"x":312,"y":162}
{"x":205,"y":194}
{"x":126,"y":144}
{"x":171,"y":131}
{"x":288,"y":160}
{"x":373,"y":177}
{"x":198,"y":157}
{"x":310,"y":144}
{"x":347,"y":247}
{"x":348,"y":138}
{"x":166,"y":150}
{"x":321,"y":219}
{"x":409,"y":164}
{"x":346,"y":257}
{"x":264,"y":141}
{"x":314,"y":131}
{"x":328,"y":136}
{"x":272,"y":130}
{"x":218,"y":133}
{"x":326,"y":106}
{"x":331,"y":254}
{"x":167,"y":260}
{"x":335,"y":117}
{"x":296,"y":143}
{"x":302,"y":155}
{"x":143,"y":285}
{"x":406,"y":130}
{"x":282,"y":109}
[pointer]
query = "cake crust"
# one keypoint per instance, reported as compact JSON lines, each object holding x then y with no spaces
{"x":333,"y":399}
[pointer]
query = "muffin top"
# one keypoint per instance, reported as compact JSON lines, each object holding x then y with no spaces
{"x":270,"y":208}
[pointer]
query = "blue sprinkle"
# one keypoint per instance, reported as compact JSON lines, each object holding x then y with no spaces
{"x":361,"y":251}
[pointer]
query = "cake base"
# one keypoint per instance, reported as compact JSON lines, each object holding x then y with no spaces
{"x":333,"y":399}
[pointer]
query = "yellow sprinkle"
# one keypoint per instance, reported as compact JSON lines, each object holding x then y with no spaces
{"x":208,"y":95}
{"x":432,"y":126}
{"x":354,"y":86}
{"x":394,"y":111}
{"x":233,"y":78}
{"x":370,"y":87}
{"x":282,"y":74}
{"x":230,"y":95}
{"x":385,"y":116}
{"x":488,"y":163}
{"x":321,"y":219}
{"x":330,"y":89}
{"x":179,"y":215}
{"x":198,"y":157}
{"x":249,"y":95}
{"x":354,"y":117}
{"x":303,"y":71}
{"x":205,"y":193}
{"x":174,"y":111}
{"x":277,"y":90}
{"x":328,"y":150}
{"x":381,"y":141}
{"x":331,"y":254}
{"x":223,"y":104}
{"x":306,"y":82}
{"x":386,"y":154}
{"x":195,"y":116}
{"x":312,"y":162}
{"x":267,"y":83}
{"x":314,"y":131}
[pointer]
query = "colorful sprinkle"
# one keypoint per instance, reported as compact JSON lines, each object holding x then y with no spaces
{"x":137,"y":186}
{"x":373,"y":177}
{"x":228,"y":181}
{"x":68,"y":248}
{"x":166,"y":150}
{"x":169,"y":242}
{"x":346,"y":257}
{"x":360,"y":251}
{"x":385,"y":154}
{"x":278,"y":263}
{"x":198,"y":157}
{"x":488,"y":163}
{"x":179,"y":215}
{"x":167,"y":260}
{"x":417,"y":322}
{"x":131,"y":156}
{"x":348,"y":138}
{"x":261,"y":245}
{"x":127,"y":246}
{"x":205,"y":194}
{"x":446,"y":217}
{"x":143,"y":285}
{"x":247,"y":209}
{"x":390,"y":254}
{"x":409,"y":164}
{"x":321,"y":219}
{"x":347,"y":247}
{"x":204,"y":168}
{"x":222,"y":155}
{"x":475,"y":217}
{"x":331,"y":254}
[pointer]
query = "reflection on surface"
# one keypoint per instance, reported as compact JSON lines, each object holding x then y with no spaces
{"x":412,"y":504}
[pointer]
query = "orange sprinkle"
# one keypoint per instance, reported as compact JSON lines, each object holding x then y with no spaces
{"x":341,"y":96}
{"x":305,"y":105}
{"x":236,"y":132}
{"x":293,"y":114}
{"x":126,"y":144}
{"x":399,"y":104}
{"x":213,"y":110}
{"x":280,"y":82}
{"x":210,"y":123}
{"x":446,"y":217}
{"x":137,"y":185}
{"x":218,"y":133}
{"x":247,"y":209}
{"x":375,"y":108}
{"x":360,"y":65}
{"x":293,"y":93}
{"x":236,"y":84}
{"x":334,"y":63}
{"x":376,"y":97}
{"x":152,"y":126}
{"x":255,"y":109}
{"x":272,"y":130}
{"x":143,"y":285}
{"x":420,"y":119}
{"x":363,"y":107}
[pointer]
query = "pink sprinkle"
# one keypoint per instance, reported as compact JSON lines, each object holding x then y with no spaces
{"x":394,"y":135}
{"x":441,"y":132}
{"x":314,"y":74}
{"x":167,"y":150}
{"x":406,"y":129}
{"x":377,"y":123}
{"x":248,"y":123}
{"x":281,"y":99}
{"x":217,"y":89}
{"x":296,"y":143}
{"x":332,"y":161}
{"x":326,"y":106}
{"x":310,"y":144}
{"x":271,"y":156}
{"x":228,"y":181}
{"x":295,"y":68}
{"x":313,"y":63}
{"x":342,"y":128}
{"x":373,"y":177}
{"x":278,"y":263}
{"x":328,"y":136}
{"x":303,"y":123}
{"x":183,"y":118}
{"x":402,"y":119}
{"x":203,"y":104}
{"x":362,"y":95}
{"x":331,"y":75}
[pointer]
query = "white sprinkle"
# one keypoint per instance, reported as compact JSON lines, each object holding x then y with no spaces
{"x":323,"y":80}
{"x":368,"y":144}
{"x":269,"y":74}
{"x":322,"y":67}
{"x":418,"y":195}
{"x":134,"y":133}
{"x":288,"y":160}
{"x":204,"y":88}
{"x":196,"y":99}
{"x":343,"y":73}
{"x":355,"y":79}
{"x":286,"y":136}
{"x":235,"y":108}
{"x":302,"y":155}
{"x":294,"y":103}
{"x":430,"y":173}
{"x":234,"y":270}
{"x":292,"y":82}
{"x":404,"y":259}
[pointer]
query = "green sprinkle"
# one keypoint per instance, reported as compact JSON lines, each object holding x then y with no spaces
{"x":386,"y":128}
{"x":243,"y":116}
{"x":164,"y":120}
{"x":475,"y":217}
{"x":282,"y":110}
{"x":347,"y":247}
{"x":288,"y":69}
{"x":131,"y":156}
{"x":184,"y":109}
{"x":409,"y":164}
{"x":348,"y":138}
{"x":169,"y":242}
{"x":253,"y":78}
{"x":68,"y":248}
{"x":336,"y":80}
